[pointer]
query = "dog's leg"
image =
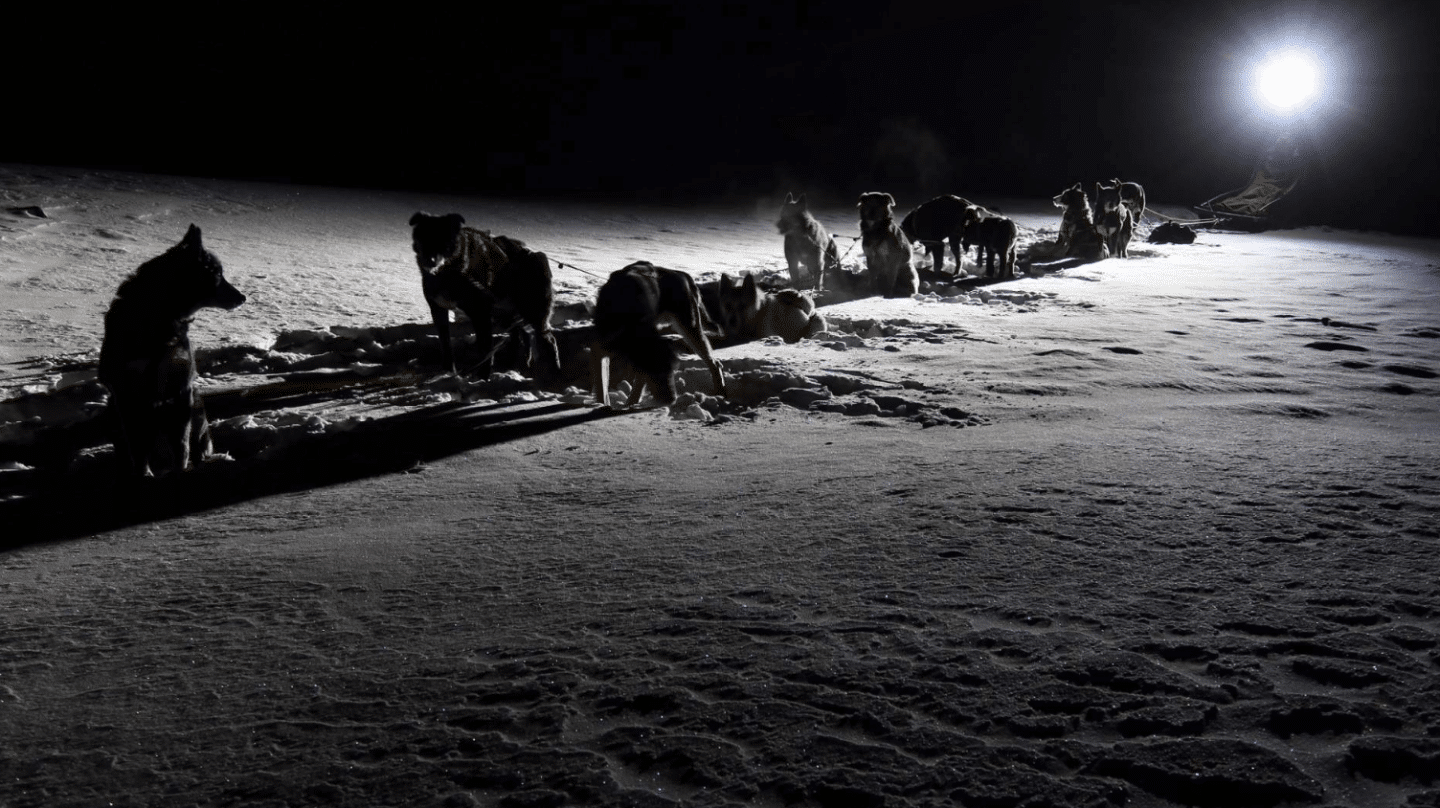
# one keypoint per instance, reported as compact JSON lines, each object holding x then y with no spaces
{"x":441,"y":315}
{"x":815,"y":266}
{"x":553,"y":354}
{"x":480,"y":317}
{"x":202,"y":446}
{"x":132,"y":450}
{"x":792,"y":259}
{"x":694,"y":337}
{"x":600,"y":374}
{"x":832,"y":263}
{"x":637,"y":389}
{"x":172,"y":438}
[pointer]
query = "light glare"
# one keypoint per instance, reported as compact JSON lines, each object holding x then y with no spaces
{"x":1287,"y":81}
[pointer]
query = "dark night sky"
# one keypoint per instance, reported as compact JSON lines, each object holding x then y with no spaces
{"x":687,"y":102}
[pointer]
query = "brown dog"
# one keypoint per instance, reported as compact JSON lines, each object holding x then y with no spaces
{"x":807,"y":245}
{"x":630,"y":309}
{"x":888,"y":255}
{"x":487,"y":279}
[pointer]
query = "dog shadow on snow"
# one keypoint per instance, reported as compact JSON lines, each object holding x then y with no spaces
{"x":63,"y":499}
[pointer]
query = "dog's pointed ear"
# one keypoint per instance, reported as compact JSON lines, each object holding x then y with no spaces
{"x":800,"y":201}
{"x":749,"y":284}
{"x":789,"y":198}
{"x":192,"y":238}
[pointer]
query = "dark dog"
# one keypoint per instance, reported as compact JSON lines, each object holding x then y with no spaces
{"x":807,"y":244}
{"x":1113,"y":222}
{"x":888,"y":256}
{"x":630,"y":309}
{"x":933,"y":222}
{"x":147,"y":364}
{"x":1077,"y":236}
{"x":1171,"y":233}
{"x":993,"y":236}
{"x":1132,"y":194}
{"x":488,"y":279}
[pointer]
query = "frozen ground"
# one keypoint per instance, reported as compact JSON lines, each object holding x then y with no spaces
{"x":1158,"y":531}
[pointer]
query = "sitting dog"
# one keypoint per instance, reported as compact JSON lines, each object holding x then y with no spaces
{"x":888,"y":256}
{"x":1077,"y":236}
{"x":485,"y":278}
{"x":147,"y":364}
{"x":746,"y":314}
{"x":630,"y":309}
{"x":933,"y":222}
{"x":807,"y":244}
{"x":993,"y":235}
{"x":1114,"y":222}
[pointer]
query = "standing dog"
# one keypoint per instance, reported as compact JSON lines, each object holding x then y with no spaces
{"x":1114,"y":222}
{"x":470,"y":272}
{"x":147,"y":364}
{"x":1077,"y":236}
{"x":933,"y":222}
{"x":993,"y":235}
{"x":806,"y":244}
{"x":630,"y":309}
{"x":888,"y":256}
{"x":746,"y":314}
{"x":1132,"y":194}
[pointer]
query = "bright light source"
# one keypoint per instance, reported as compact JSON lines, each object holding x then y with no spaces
{"x":1288,"y":80}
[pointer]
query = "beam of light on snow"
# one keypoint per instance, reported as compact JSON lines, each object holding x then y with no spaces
{"x":1287,"y":81}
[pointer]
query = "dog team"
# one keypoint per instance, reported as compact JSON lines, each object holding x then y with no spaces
{"x":157,"y":417}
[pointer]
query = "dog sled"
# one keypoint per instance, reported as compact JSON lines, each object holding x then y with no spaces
{"x":1250,"y":206}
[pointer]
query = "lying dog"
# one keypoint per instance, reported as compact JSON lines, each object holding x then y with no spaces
{"x":630,"y":309}
{"x":147,"y":364}
{"x":488,"y":279}
{"x":933,"y":222}
{"x":888,"y":256}
{"x":807,"y":244}
{"x":747,"y":314}
{"x":993,"y":235}
{"x":1077,"y":236}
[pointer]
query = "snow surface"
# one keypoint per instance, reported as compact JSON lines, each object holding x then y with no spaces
{"x":1151,"y":531}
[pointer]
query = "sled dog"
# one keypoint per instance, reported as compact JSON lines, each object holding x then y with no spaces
{"x":888,"y":255}
{"x":1132,"y":194}
{"x":933,"y":223}
{"x":146,"y":362}
{"x":1113,"y":223}
{"x":630,"y":309}
{"x":490,"y":279}
{"x":993,"y":236}
{"x":1077,"y":236}
{"x":747,"y":314}
{"x":807,"y":245}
